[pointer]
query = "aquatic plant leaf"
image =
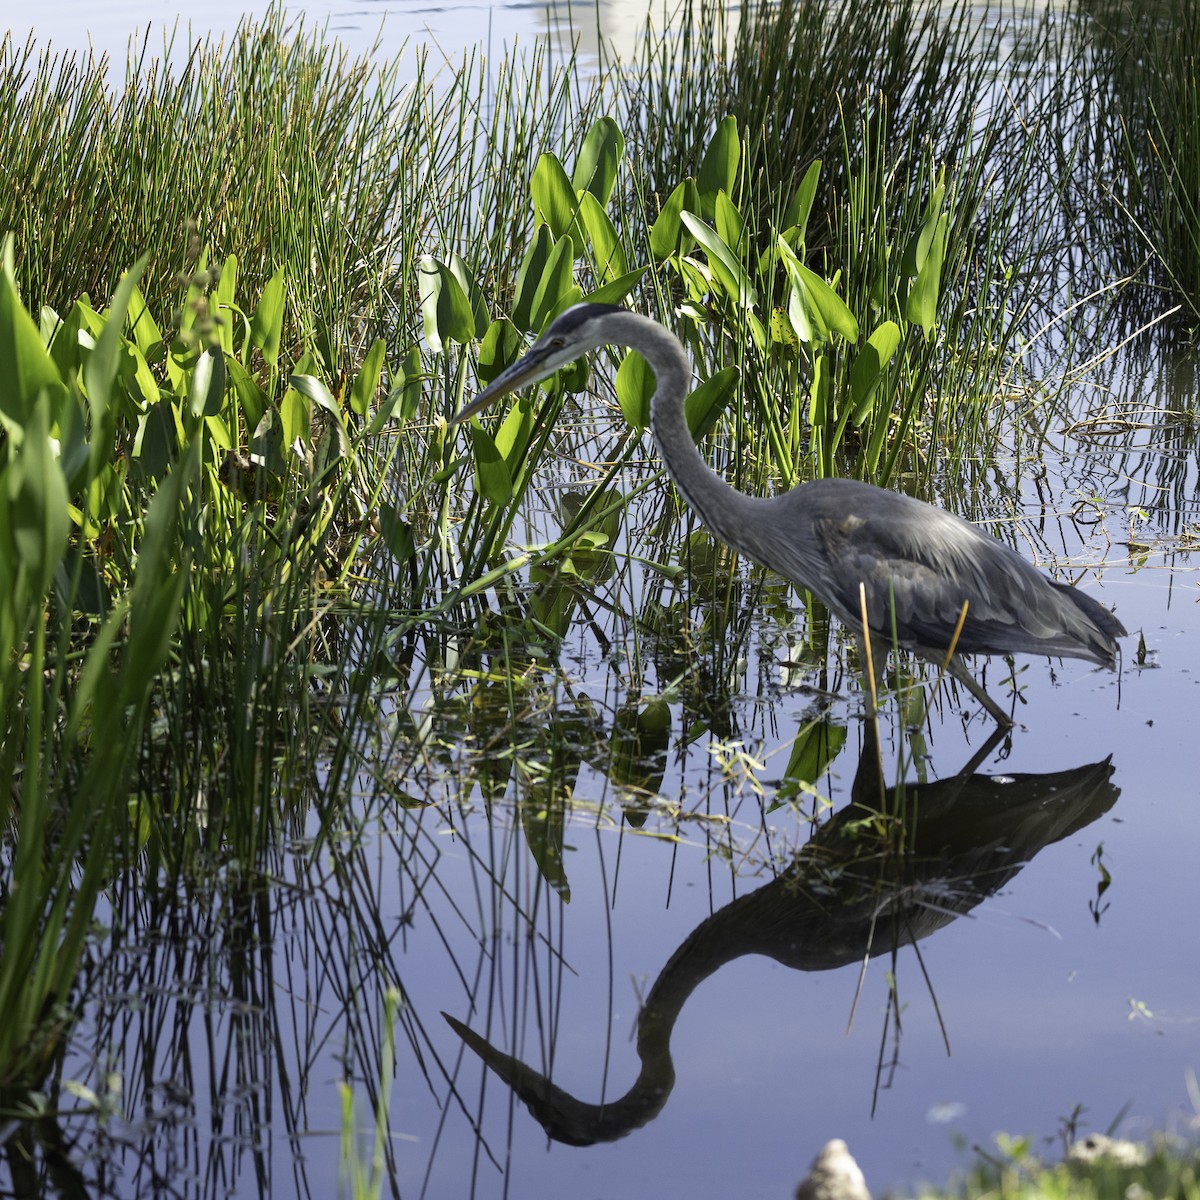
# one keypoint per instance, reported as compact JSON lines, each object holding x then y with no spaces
{"x":730,"y":224}
{"x":815,"y":747}
{"x":618,"y":289}
{"x":554,"y":199}
{"x":266,"y":322}
{"x":718,"y":168}
{"x":397,"y":533}
{"x":706,"y":404}
{"x":313,"y":389}
{"x":921,"y":305}
{"x":206,"y":394}
{"x":607,"y":252}
{"x":814,"y":308}
{"x":405,"y":397}
{"x":795,"y":220}
{"x":599,"y":160}
{"x":492,"y":478}
{"x":366,"y":382}
{"x":223,"y":298}
{"x":818,"y":393}
{"x":533,"y":270}
{"x":445,"y":310}
{"x":667,"y":234}
{"x":500,"y":348}
{"x":34,"y":520}
{"x":28,"y":366}
{"x":250,"y":396}
{"x":473,"y":293}
{"x":727,"y":269}
{"x":553,"y":292}
{"x":635,"y":386}
{"x":868,"y":367}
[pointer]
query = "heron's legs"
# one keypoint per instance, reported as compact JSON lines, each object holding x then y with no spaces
{"x":963,"y":676}
{"x":954,"y":668}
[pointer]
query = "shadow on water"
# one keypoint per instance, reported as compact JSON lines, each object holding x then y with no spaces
{"x":889,"y":869}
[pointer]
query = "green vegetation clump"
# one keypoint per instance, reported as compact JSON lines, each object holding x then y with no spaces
{"x":1115,"y":1170}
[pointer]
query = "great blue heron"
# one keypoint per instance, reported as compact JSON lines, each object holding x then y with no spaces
{"x":915,"y":566}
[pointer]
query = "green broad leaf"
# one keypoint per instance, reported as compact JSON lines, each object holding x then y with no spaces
{"x":814,"y":749}
{"x":533,"y":270}
{"x":543,"y":818}
{"x":618,"y":289}
{"x":35,"y":496}
{"x":445,"y":310}
{"x":554,"y":292}
{"x":158,"y":439}
{"x":143,"y":381}
{"x":719,"y":167}
{"x":267,"y":444}
{"x":499,"y":349}
{"x":572,"y":296}
{"x":727,"y":269}
{"x":218,"y":433}
{"x":206,"y":395}
{"x":815,"y":309}
{"x":635,"y":387}
{"x":818,"y":394}
{"x":667,"y":234}
{"x":868,"y":368}
{"x":512,"y":438}
{"x":795,"y":221}
{"x":158,"y":587}
{"x":599,"y":160}
{"x":641,"y":738}
{"x":492,"y":478}
{"x":608,"y":255}
{"x":231,"y":318}
{"x":250,"y":397}
{"x":396,"y":533}
{"x":471,"y":289}
{"x":706,"y":404}
{"x":781,"y":330}
{"x":917,"y":251}
{"x":405,"y":397}
{"x":921,"y":305}
{"x":574,"y":377}
{"x":835,"y":316}
{"x":554,"y":199}
{"x":698,"y":278}
{"x":29,"y":370}
{"x":146,"y":334}
{"x":295,"y":418}
{"x":101,"y":367}
{"x":366,"y":382}
{"x":804,"y":319}
{"x":266,"y":322}
{"x":730,"y":223}
{"x":313,"y":389}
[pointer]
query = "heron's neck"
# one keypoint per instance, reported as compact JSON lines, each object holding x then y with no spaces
{"x":725,"y":510}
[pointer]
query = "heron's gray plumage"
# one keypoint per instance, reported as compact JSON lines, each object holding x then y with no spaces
{"x":917,"y":564}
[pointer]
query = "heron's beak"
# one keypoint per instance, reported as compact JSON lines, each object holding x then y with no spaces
{"x":526,"y":371}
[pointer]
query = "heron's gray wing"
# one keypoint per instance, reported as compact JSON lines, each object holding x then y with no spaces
{"x":919,"y":565}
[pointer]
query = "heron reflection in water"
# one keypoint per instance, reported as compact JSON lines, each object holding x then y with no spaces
{"x":847,"y":895}
{"x":928,"y":581}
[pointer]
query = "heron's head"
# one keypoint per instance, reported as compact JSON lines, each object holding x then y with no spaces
{"x":570,"y":335}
